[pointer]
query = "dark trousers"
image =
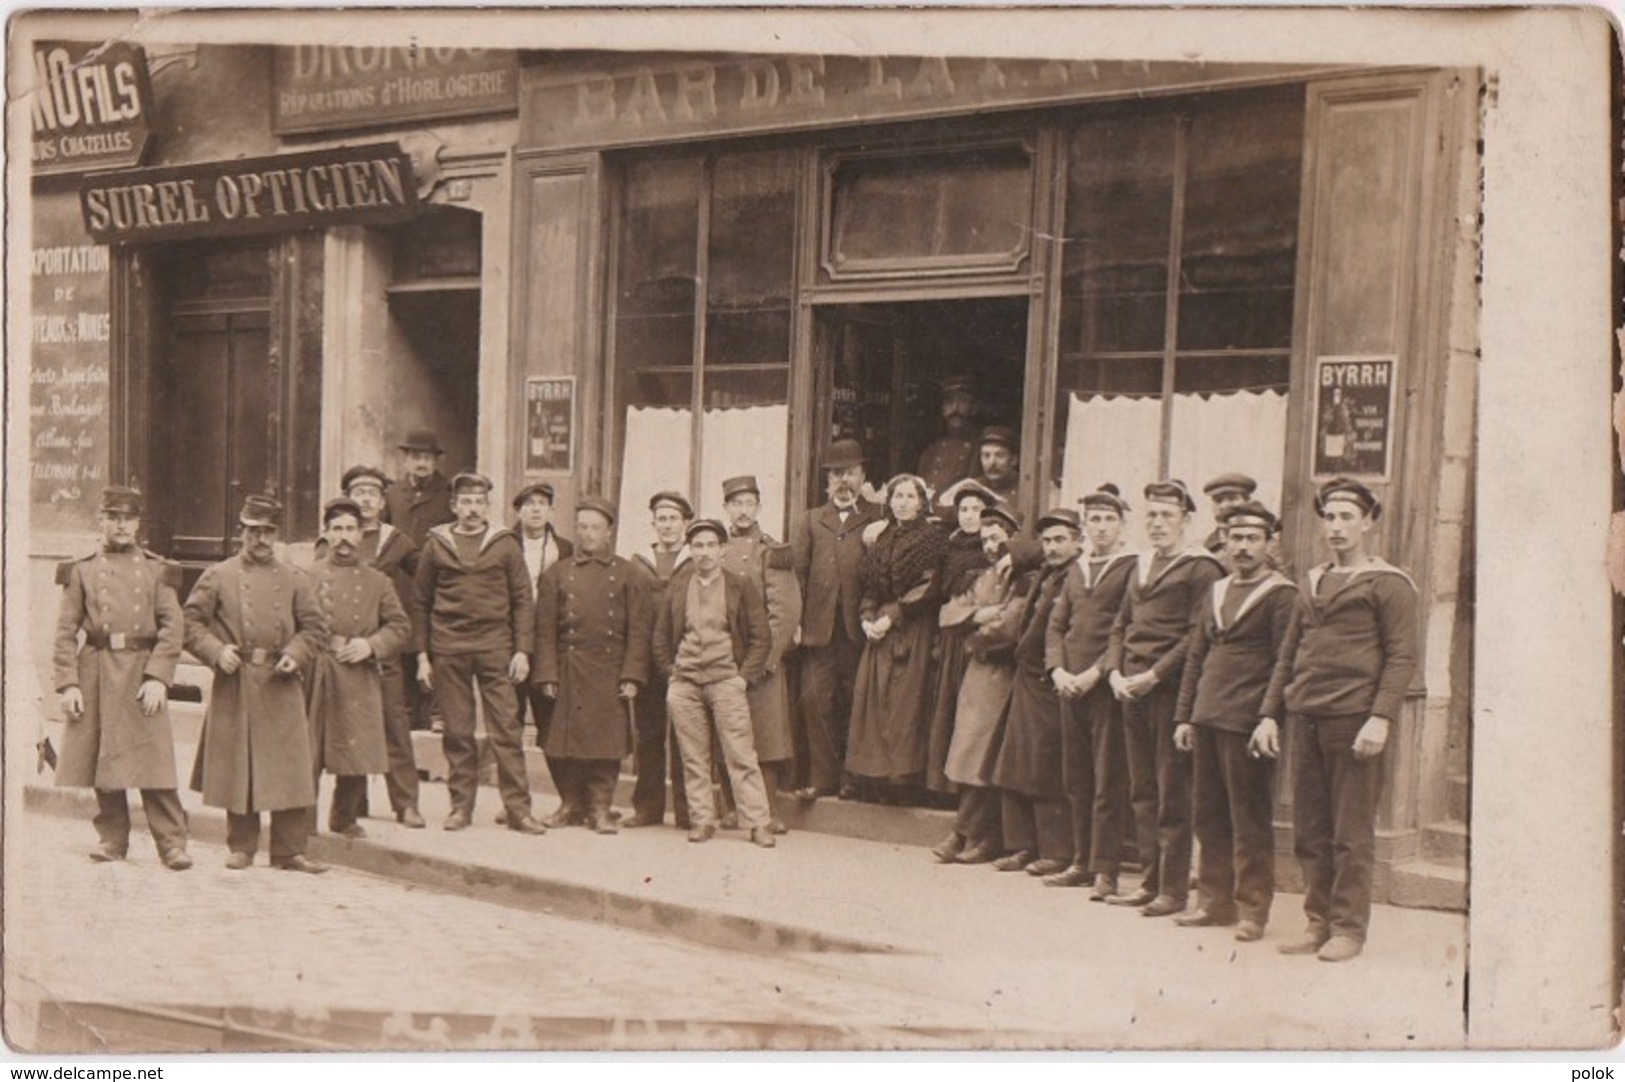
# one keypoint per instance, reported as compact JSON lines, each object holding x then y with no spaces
{"x":422,"y":711}
{"x":1231,"y":808}
{"x":656,"y":758}
{"x":1041,"y":826}
{"x":828,"y":674}
{"x":1078,"y":773}
{"x":290,"y":831}
{"x":349,"y":798}
{"x":586,"y":786}
{"x":402,"y":777}
{"x":979,"y":820}
{"x":1334,"y":823}
{"x":1104,"y":716}
{"x":1160,"y":791}
{"x":455,"y":676}
{"x":165,"y":818}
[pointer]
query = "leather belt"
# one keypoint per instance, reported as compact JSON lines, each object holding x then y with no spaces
{"x":260,"y":656}
{"x":118,"y":640}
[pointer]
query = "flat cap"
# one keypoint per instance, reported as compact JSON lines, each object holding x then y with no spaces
{"x":1231,"y":482}
{"x":1003,"y":512}
{"x":706,"y":525}
{"x":535,"y":488}
{"x":340,"y":505}
{"x":1060,"y":516}
{"x":469,"y":481}
{"x":598,"y":505}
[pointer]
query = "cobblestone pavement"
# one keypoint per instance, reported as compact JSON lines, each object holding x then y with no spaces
{"x":271,"y":941}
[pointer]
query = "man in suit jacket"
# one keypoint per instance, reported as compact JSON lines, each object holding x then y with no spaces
{"x":422,"y":499}
{"x":828,"y":552}
{"x":712,"y":640}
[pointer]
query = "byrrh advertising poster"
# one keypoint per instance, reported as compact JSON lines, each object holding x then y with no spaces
{"x":549,"y":427}
{"x":1354,"y":410}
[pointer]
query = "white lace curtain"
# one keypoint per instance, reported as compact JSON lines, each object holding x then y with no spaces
{"x":749,"y":439}
{"x":1117,"y":439}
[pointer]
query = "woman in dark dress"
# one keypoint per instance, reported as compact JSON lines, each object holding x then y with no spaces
{"x":893,"y":695}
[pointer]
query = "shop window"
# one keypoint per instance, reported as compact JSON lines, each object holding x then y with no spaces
{"x":704,"y":271}
{"x":1176,"y":321}
{"x":955,"y":212}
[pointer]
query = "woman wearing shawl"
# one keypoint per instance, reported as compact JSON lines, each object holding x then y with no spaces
{"x":892,"y":698}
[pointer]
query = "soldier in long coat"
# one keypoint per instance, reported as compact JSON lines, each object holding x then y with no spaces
{"x":255,"y":620}
{"x":751,"y":552}
{"x":114,"y":686}
{"x":592,"y":655}
{"x":368,"y":628}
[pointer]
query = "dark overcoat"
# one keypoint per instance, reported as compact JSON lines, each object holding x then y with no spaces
{"x":346,"y":703}
{"x":418,"y":510}
{"x":1030,"y":752}
{"x":828,"y":557}
{"x":255,"y":753}
{"x":113,"y":745}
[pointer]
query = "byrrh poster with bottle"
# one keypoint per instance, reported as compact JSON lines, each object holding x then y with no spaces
{"x":1354,"y":409}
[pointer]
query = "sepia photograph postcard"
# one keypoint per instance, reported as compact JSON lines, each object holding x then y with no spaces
{"x":812,"y":530}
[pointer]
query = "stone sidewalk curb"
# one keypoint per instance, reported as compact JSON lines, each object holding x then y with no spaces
{"x":538,"y":893}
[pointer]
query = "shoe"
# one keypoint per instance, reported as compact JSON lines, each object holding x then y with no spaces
{"x":501,"y":818}
{"x":457,"y":820}
{"x":177,"y":860}
{"x":564,"y":817}
{"x":437,"y":726}
{"x":636,"y":820}
{"x":729,"y":821}
{"x":702,"y":834}
{"x":777,"y":827}
{"x":808,"y":794}
{"x":410,"y":818}
{"x":1309,"y":942}
{"x":1047,"y":866}
{"x":300,"y":863}
{"x":354,"y":830}
{"x":847,"y":792}
{"x":1204,"y":918}
{"x":1137,"y":899}
{"x":949,"y":848}
{"x":106,"y":854}
{"x":1162,"y":906}
{"x":1014,"y":862}
{"x":526,"y":824}
{"x":1249,"y":931}
{"x":980,"y":853}
{"x":1075,"y":876}
{"x":603,"y":824}
{"x":1105,"y":888}
{"x":1340,"y":948}
{"x":762,"y":837}
{"x":238,"y":861}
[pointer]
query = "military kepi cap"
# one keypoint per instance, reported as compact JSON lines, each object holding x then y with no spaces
{"x":598,"y":505}
{"x":535,"y":488}
{"x":365,"y":475}
{"x":671,"y":499}
{"x":1173,"y":491}
{"x":1251,"y":513}
{"x":121,"y":499}
{"x":1231,"y":482}
{"x":422,"y":439}
{"x":733,"y":486}
{"x":340,"y":505}
{"x":260,"y":511}
{"x":706,"y":525}
{"x":1107,"y":497}
{"x":958,"y":385}
{"x":469,"y":481}
{"x":1003,"y":435}
{"x":1346,"y":488}
{"x":1060,"y":516}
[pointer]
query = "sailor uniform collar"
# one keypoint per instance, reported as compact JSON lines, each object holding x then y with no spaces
{"x":1374,"y":565}
{"x":1221,"y":590}
{"x":1145,"y":559}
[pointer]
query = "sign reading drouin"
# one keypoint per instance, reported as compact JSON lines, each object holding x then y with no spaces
{"x":91,"y":107}
{"x":333,"y":87}
{"x":346,"y":186}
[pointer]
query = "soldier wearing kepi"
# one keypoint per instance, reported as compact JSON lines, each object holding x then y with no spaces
{"x":1233,"y":651}
{"x":1000,"y":453}
{"x":592,"y":656}
{"x":1092,"y":722}
{"x":1145,"y":661}
{"x":114,"y":689}
{"x":1343,"y":674}
{"x":953,"y":455}
{"x":255,"y":620}
{"x":476,"y":621}
{"x":368,"y":627}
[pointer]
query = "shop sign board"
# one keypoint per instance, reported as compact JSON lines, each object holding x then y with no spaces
{"x":91,"y":107}
{"x":1354,"y":416}
{"x":550,"y":424}
{"x":336,"y":87}
{"x":360,"y":185}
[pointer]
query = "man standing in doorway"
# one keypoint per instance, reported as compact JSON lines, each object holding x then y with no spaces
{"x":828,"y":552}
{"x":255,"y":620}
{"x":420,"y":502}
{"x":592,"y":655}
{"x":657,"y":756}
{"x":953,"y":455}
{"x":1000,"y":453}
{"x":1145,"y":660}
{"x":114,"y":688}
{"x":476,"y":623}
{"x":1348,"y":662}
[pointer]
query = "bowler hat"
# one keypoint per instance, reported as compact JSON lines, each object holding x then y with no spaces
{"x":1251,"y":513}
{"x":260,"y":511}
{"x":1107,"y":496}
{"x":706,"y":525}
{"x":422,"y":439}
{"x":535,"y":488}
{"x":469,"y":481}
{"x":1060,"y":516}
{"x":1000,"y":434}
{"x":363,"y":475}
{"x":599,"y":505}
{"x":1231,"y":482}
{"x":340,"y":505}
{"x":121,"y":499}
{"x":1346,"y":488}
{"x":843,"y":454}
{"x":733,"y":486}
{"x":671,"y":499}
{"x":1172,"y":490}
